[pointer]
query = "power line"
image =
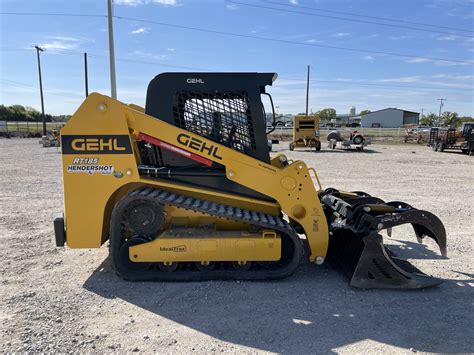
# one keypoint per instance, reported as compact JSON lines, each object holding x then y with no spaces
{"x":315,"y":81}
{"x":371,"y":17}
{"x":269,"y":39}
{"x":376,"y":84}
{"x":347,"y":19}
{"x":50,"y":14}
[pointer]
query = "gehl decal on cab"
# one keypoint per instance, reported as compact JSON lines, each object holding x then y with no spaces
{"x":96,"y":144}
{"x":198,"y":145}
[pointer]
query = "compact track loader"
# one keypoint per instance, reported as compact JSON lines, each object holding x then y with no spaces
{"x":185,"y":189}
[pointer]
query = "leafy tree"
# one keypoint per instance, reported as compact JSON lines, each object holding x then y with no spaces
{"x":327,"y":114}
{"x":364,"y":112}
{"x":27,"y":113}
{"x":429,"y":120}
{"x":464,"y":119}
{"x":449,"y":119}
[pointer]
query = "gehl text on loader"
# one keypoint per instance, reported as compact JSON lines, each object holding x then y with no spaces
{"x":185,"y":189}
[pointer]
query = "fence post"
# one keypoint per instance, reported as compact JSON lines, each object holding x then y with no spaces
{"x":27,"y":127}
{"x":17,"y":127}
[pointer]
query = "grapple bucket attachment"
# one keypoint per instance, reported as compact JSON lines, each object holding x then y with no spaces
{"x":355,"y":244}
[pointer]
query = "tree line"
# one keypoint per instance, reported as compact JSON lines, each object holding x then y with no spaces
{"x":20,"y":113}
{"x":447,"y":119}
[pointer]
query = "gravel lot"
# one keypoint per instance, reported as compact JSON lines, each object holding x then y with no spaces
{"x":64,"y":300}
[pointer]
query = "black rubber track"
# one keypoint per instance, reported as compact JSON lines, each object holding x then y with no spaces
{"x":187,"y":271}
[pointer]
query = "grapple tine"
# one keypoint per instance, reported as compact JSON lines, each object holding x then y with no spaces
{"x":424,"y":223}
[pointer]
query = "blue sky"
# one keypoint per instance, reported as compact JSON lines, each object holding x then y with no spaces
{"x":340,"y":78}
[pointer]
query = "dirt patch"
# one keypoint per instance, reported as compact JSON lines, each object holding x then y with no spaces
{"x":70,"y":300}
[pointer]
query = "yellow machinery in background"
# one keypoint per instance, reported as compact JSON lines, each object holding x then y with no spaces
{"x":306,"y":132}
{"x":185,"y":189}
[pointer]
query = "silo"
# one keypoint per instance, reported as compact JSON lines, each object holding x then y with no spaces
{"x":352,"y":111}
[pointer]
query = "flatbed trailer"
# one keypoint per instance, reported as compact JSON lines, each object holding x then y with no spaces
{"x":448,"y":141}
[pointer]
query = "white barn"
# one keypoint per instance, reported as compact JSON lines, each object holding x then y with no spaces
{"x":389,"y":118}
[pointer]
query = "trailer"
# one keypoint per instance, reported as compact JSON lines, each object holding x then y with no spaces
{"x":356,"y":141}
{"x":452,"y":139}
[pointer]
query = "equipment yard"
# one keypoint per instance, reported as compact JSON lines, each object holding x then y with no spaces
{"x":66,"y":300}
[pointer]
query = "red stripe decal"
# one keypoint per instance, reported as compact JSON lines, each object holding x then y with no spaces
{"x":173,"y":148}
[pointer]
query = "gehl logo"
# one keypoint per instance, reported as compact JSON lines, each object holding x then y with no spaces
{"x":194,"y":81}
{"x":198,"y":145}
{"x":96,"y":144}
{"x":178,"y":249}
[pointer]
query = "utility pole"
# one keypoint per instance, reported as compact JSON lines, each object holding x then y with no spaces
{"x":307,"y":92}
{"x":441,"y":104}
{"x":421,"y":115}
{"x":86,"y":80}
{"x":113,"y":84}
{"x":38,"y":50}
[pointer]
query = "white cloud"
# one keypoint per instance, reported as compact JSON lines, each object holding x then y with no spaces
{"x":141,"y":30}
{"x":403,"y":79}
{"x":447,"y":38}
{"x":418,"y":60}
{"x":294,"y":2}
{"x":232,"y":7}
{"x":453,"y":77}
{"x":398,"y":38}
{"x":63,"y":43}
{"x":166,"y":2}
{"x":443,"y":63}
{"x":145,"y":2}
{"x":148,"y":55}
{"x":66,"y":38}
{"x":369,"y":58}
{"x":170,"y":49}
{"x":341,"y":34}
{"x":57,"y":45}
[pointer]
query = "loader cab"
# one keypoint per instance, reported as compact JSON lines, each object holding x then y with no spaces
{"x":226,"y":108}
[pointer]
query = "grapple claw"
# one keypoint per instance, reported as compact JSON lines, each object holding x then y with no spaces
{"x":424,"y":223}
{"x":356,"y":245}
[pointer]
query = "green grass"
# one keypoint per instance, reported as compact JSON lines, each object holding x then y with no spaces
{"x":30,"y":127}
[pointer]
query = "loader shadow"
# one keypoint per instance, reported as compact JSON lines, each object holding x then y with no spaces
{"x":314,"y":311}
{"x":413,"y":250}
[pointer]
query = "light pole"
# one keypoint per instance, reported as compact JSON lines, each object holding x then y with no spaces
{"x":86,"y":79}
{"x":113,"y":84}
{"x":441,"y":104}
{"x":307,"y":91}
{"x":38,"y":50}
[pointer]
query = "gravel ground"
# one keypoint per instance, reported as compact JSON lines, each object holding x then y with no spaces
{"x":55,"y":299}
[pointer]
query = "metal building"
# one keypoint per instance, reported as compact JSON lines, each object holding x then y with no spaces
{"x":389,"y":118}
